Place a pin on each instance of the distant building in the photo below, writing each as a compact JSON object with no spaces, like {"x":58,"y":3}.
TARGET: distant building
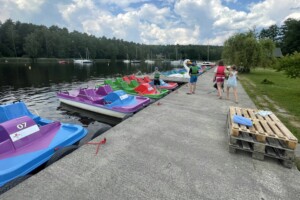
{"x":277,"y":53}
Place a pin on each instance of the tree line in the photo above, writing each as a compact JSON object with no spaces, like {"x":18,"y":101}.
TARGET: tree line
{"x":256,"y":49}
{"x":37,"y":41}
{"x":286,"y":37}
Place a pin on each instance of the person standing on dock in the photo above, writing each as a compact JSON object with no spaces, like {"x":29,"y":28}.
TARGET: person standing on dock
{"x":156,"y":81}
{"x":193,"y":78}
{"x":219,"y":77}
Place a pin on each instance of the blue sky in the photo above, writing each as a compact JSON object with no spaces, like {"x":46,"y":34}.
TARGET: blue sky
{"x":154,"y":21}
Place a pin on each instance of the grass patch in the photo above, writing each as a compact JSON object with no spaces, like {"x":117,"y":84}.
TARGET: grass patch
{"x":271,"y":90}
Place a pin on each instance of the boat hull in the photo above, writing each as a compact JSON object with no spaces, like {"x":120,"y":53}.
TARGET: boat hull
{"x":83,"y":61}
{"x":94,"y":108}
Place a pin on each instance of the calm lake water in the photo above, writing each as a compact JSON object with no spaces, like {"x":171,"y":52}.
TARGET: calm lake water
{"x":37,"y":84}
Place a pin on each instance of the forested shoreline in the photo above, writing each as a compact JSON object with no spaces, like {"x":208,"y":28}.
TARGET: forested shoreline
{"x":25,"y":40}
{"x":36,"y":41}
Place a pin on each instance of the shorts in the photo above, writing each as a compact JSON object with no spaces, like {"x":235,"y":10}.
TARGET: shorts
{"x":220,"y":79}
{"x":231,"y":86}
{"x":193,"y":79}
{"x":231,"y":83}
{"x":156,"y":82}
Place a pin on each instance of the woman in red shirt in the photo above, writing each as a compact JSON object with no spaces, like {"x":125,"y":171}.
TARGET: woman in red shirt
{"x":220,"y":77}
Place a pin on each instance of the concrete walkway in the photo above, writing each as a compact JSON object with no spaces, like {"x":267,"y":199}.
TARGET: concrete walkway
{"x":176,"y":150}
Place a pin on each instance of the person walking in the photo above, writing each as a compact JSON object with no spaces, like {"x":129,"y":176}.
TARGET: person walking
{"x":219,"y":77}
{"x":232,"y":82}
{"x":193,"y":78}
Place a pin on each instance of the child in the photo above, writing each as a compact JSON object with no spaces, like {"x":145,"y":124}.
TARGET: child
{"x":227,"y":72}
{"x":156,"y":81}
{"x":232,"y":82}
{"x":193,"y":78}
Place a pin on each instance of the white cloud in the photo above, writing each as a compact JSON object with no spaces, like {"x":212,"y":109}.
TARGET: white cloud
{"x":148,"y":24}
{"x":260,"y":15}
{"x":152,"y":34}
{"x":29,"y":5}
{"x":269,"y":12}
{"x":19,"y":9}
{"x":5,"y":11}
{"x":76,"y":10}
{"x":190,"y":22}
{"x":295,"y":15}
{"x":230,"y":1}
{"x":151,"y":13}
{"x":158,"y":21}
{"x":123,"y":3}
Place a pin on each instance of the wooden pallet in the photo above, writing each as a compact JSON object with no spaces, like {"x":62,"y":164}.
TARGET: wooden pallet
{"x":270,"y":152}
{"x":275,"y":150}
{"x":264,"y":129}
{"x":259,"y":150}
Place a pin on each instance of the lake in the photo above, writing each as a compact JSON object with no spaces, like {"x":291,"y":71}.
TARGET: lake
{"x":36,"y":85}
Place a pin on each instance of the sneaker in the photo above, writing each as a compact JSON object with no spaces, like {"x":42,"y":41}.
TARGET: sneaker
{"x":188,"y":93}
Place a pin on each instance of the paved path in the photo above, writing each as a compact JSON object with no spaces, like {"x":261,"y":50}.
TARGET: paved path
{"x":176,"y":150}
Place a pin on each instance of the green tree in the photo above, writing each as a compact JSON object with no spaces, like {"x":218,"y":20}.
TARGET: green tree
{"x":56,"y":42}
{"x":244,"y":50}
{"x":267,"y":48}
{"x":290,"y":64}
{"x":8,"y":36}
{"x":32,"y":46}
{"x":272,"y":33}
{"x":291,"y":36}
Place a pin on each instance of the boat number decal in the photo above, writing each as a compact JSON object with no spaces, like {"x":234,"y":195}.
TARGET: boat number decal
{"x":150,"y":88}
{"x":22,"y":125}
{"x":124,"y":96}
{"x":24,"y":131}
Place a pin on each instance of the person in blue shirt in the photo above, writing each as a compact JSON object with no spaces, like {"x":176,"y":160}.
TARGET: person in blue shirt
{"x":193,"y":77}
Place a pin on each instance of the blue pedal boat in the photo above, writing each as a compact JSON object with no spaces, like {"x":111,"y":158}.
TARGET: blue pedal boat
{"x":28,"y":141}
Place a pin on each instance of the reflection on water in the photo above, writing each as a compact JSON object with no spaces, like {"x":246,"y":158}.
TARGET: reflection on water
{"x":37,"y":84}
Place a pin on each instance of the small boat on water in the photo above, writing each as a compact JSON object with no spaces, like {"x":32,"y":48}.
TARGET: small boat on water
{"x":176,"y":62}
{"x":84,"y":61}
{"x":28,"y":141}
{"x":135,"y":88}
{"x":135,"y":61}
{"x":62,"y":62}
{"x":207,"y":63}
{"x":146,"y":79}
{"x":144,"y":89}
{"x":104,"y":101}
{"x":133,"y":77}
{"x":164,"y":85}
{"x":149,"y":61}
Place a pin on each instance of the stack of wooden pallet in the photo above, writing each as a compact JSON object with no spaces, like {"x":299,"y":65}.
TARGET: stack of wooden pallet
{"x":267,"y":137}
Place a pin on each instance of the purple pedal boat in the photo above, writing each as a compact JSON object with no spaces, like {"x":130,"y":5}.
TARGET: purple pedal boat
{"x":104,"y":100}
{"x":28,"y":141}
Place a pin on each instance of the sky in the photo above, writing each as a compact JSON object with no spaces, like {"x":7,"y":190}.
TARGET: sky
{"x":199,"y":22}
